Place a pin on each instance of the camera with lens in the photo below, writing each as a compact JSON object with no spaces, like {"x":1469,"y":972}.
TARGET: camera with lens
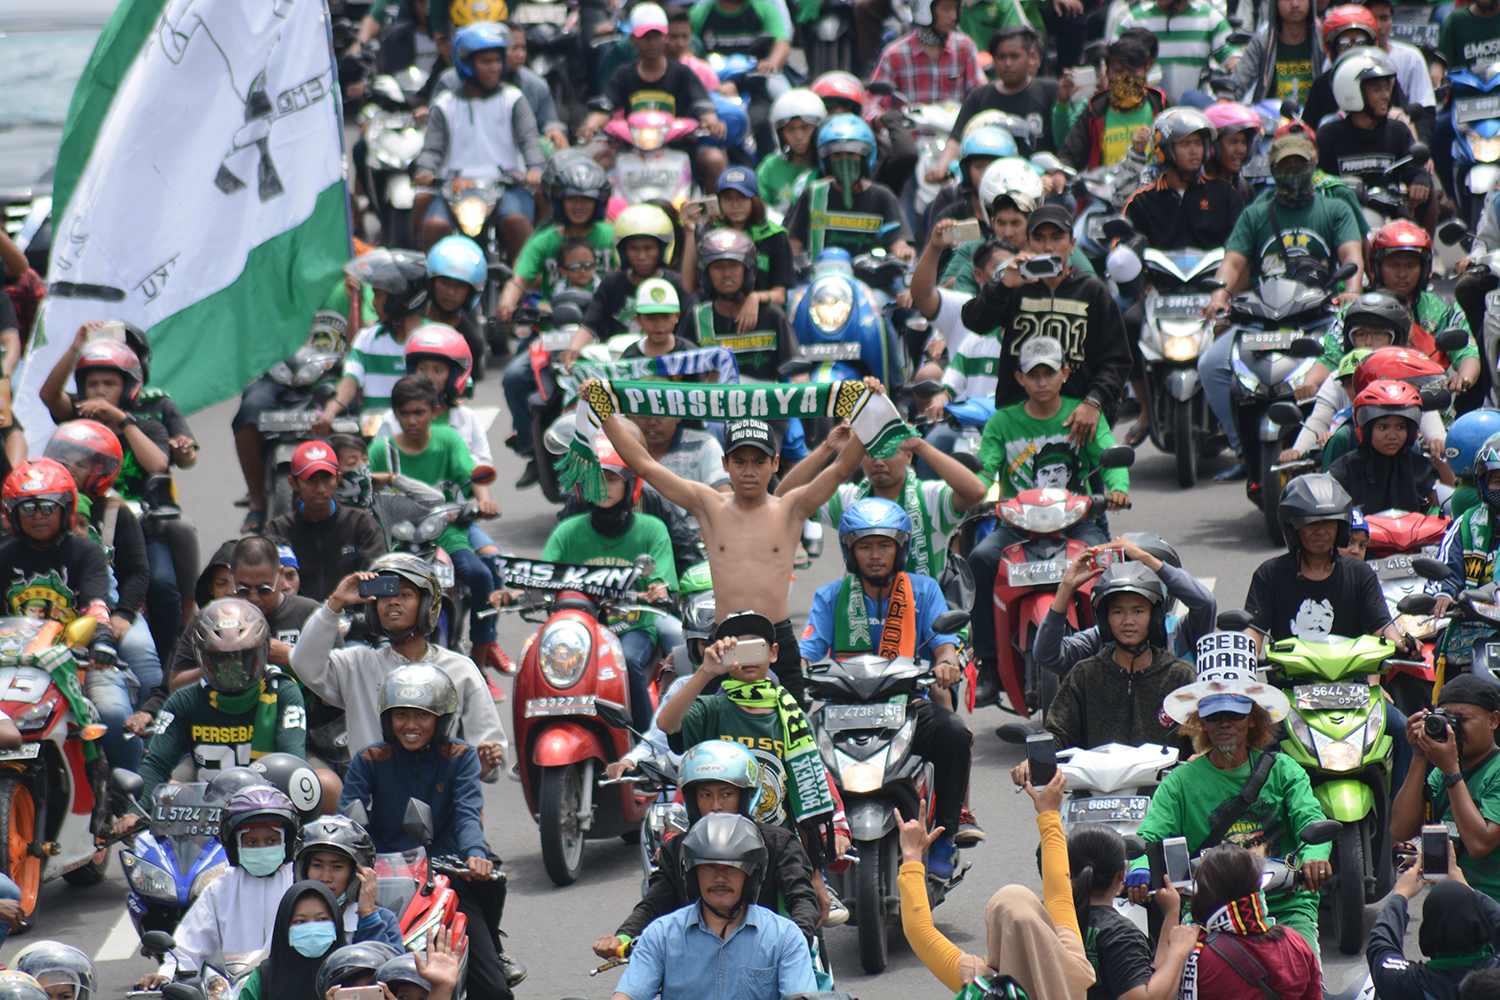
{"x":1438,"y":722}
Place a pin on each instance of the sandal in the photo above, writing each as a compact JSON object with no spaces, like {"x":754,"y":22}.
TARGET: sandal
{"x":255,"y":522}
{"x":1138,"y":433}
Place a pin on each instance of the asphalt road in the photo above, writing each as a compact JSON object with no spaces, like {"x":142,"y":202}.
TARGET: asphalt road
{"x":1219,"y":534}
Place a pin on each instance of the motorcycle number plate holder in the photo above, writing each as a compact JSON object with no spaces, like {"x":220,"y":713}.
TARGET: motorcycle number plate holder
{"x":1094,"y":228}
{"x":1393,"y":567}
{"x":886,"y":715}
{"x":26,"y":751}
{"x":1268,"y":340}
{"x":444,"y":573}
{"x":831,"y":352}
{"x":572,"y":704}
{"x":1331,"y":696}
{"x":556,"y":340}
{"x":1032,"y":573}
{"x":185,"y":821}
{"x":287,"y":420}
{"x":540,"y":13}
{"x":1131,"y":808}
{"x":1475,"y":109}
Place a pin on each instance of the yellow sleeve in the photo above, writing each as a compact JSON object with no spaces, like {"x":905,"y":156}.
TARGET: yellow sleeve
{"x":1057,"y":890}
{"x":941,"y":956}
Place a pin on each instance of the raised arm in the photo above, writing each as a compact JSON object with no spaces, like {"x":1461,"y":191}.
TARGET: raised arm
{"x":805,"y":471}
{"x":807,"y":500}
{"x":691,"y":497}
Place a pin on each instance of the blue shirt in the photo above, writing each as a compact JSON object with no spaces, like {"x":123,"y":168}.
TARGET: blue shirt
{"x":765,"y":958}
{"x":926,"y":595}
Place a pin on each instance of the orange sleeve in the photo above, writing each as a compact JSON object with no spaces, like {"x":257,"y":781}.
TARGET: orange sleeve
{"x":941,"y":956}
{"x":1057,"y":889}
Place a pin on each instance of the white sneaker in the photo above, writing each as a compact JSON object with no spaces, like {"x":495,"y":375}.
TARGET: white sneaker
{"x":838,"y":913}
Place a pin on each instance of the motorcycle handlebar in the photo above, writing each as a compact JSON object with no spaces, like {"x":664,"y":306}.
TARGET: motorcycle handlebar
{"x":455,"y":868}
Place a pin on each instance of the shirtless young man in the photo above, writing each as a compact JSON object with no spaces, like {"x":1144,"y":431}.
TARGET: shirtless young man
{"x":750,"y":534}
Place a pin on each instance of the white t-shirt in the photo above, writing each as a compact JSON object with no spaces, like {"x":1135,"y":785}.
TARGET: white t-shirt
{"x":974,"y":365}
{"x":1411,"y":73}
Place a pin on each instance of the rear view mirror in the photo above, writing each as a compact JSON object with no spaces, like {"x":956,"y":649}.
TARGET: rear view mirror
{"x":950,"y":621}
{"x":1451,"y":339}
{"x":418,"y":822}
{"x":356,"y":811}
{"x":881,"y":88}
{"x":1429,"y":568}
{"x":1452,"y":231}
{"x":483,"y":475}
{"x":1285,"y":413}
{"x":1342,"y":273}
{"x":613,"y":715}
{"x":1306,"y":347}
{"x":1234,"y":620}
{"x":1416,"y":604}
{"x":1435,"y":397}
{"x":1418,"y":152}
{"x":127,"y":783}
{"x":1121,"y":456}
{"x":793,"y":367}
{"x":157,"y":943}
{"x":1321,"y":831}
{"x":1015,"y":732}
{"x":1118,"y":229}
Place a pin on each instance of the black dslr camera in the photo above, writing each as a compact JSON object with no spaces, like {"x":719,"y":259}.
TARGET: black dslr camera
{"x":1439,"y":722}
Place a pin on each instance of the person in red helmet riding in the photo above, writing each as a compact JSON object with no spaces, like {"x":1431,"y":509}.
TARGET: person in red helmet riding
{"x":1383,"y":471}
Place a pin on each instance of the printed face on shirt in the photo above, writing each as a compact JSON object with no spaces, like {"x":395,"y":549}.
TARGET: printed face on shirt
{"x":1314,"y":619}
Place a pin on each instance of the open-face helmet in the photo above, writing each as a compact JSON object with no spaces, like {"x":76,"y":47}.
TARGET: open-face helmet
{"x":1403,"y":364}
{"x":1130,"y":578}
{"x":110,"y":356}
{"x":1466,"y":436}
{"x":227,"y":782}
{"x":39,"y":479}
{"x":52,"y":963}
{"x":459,"y":258}
{"x":419,"y":573}
{"x":1013,"y":178}
{"x":718,"y":760}
{"x":1348,"y":17}
{"x":295,"y":778}
{"x":336,"y":835}
{"x":799,"y":102}
{"x":846,"y":134}
{"x":1229,"y":117}
{"x":1356,"y":68}
{"x":472,"y":39}
{"x":696,"y":607}
{"x":841,"y":93}
{"x":1387,"y":399}
{"x":1154,"y":545}
{"x":90,"y":452}
{"x":1174,"y":125}
{"x":401,"y":274}
{"x":353,"y":964}
{"x":645,"y":220}
{"x":989,"y":144}
{"x":874,"y":516}
{"x":724,"y":839}
{"x":422,"y":686}
{"x":1487,"y":460}
{"x":1400,"y":236}
{"x":581,"y":177}
{"x":443,"y":343}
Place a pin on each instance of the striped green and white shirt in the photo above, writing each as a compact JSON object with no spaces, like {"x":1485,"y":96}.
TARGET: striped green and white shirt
{"x":974,"y":363}
{"x":1185,"y":40}
{"x":377,"y":361}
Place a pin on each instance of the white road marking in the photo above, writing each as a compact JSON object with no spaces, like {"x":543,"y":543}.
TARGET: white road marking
{"x":122,"y":943}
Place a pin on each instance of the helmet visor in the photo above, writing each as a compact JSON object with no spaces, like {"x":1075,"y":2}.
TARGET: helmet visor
{"x":85,"y":464}
{"x":232,"y":672}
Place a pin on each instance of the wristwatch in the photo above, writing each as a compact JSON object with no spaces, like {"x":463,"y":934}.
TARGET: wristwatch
{"x":1449,"y":780}
{"x":128,"y":421}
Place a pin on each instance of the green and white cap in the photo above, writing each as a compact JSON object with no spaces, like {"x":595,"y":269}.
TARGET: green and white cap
{"x":656,"y":296}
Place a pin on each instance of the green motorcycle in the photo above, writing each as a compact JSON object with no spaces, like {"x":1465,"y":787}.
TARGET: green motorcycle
{"x":1337,"y":732}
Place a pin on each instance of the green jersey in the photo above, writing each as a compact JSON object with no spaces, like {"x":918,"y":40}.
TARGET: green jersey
{"x":780,"y":181}
{"x":446,"y":459}
{"x":539,"y":255}
{"x":1026,"y":453}
{"x":1466,"y":39}
{"x":715,"y":717}
{"x":1482,"y":874}
{"x":1317,"y":231}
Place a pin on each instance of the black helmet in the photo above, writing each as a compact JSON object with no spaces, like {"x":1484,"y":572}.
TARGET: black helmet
{"x":337,"y":835}
{"x":583,"y":177}
{"x":1130,"y":578}
{"x":1316,"y":496}
{"x":725,"y":839}
{"x":296,"y":779}
{"x":418,"y":573}
{"x":353,"y":960}
{"x":262,"y":803}
{"x":1382,"y":311}
{"x":1155,"y":545}
{"x":401,"y":274}
{"x":52,"y":963}
{"x":417,"y":685}
{"x":401,"y":969}
{"x":231,"y":780}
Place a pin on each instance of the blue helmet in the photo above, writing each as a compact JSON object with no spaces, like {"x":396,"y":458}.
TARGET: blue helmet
{"x":846,"y":133}
{"x":874,"y":516}
{"x":1357,"y":521}
{"x":459,"y":258}
{"x":719,"y":760}
{"x":989,"y":141}
{"x":473,"y":38}
{"x":1465,"y":437}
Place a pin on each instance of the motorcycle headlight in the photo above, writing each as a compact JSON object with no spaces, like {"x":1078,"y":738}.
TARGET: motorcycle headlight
{"x":216,"y":987}
{"x":471,"y":213}
{"x":1299,"y":728}
{"x":1339,"y":755}
{"x":862,"y":777}
{"x":1375,"y":724}
{"x":148,"y":879}
{"x":646,"y":139}
{"x":281,"y":373}
{"x":831,"y":304}
{"x":1180,"y":348}
{"x":206,"y":876}
{"x":432,"y":526}
{"x":564,"y":653}
{"x":900,"y":744}
{"x":35,"y":719}
{"x":1484,"y":150}
{"x":404,"y":530}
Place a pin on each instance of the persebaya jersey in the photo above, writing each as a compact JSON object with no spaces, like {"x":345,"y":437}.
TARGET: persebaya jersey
{"x":192,"y":722}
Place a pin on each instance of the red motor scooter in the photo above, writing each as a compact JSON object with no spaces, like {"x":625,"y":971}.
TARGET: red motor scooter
{"x":1029,"y":574}
{"x":1396,"y":538}
{"x":571,"y":706}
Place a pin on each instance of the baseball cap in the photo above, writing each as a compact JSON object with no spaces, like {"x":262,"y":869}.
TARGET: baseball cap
{"x":739,"y":179}
{"x":1293,"y":145}
{"x":1467,"y":689}
{"x":1057,"y":215}
{"x":749,"y":432}
{"x":743,"y":623}
{"x":1237,"y":703}
{"x":656,"y":296}
{"x":1041,"y":351}
{"x":314,"y":456}
{"x":288,"y":556}
{"x":647,"y":17}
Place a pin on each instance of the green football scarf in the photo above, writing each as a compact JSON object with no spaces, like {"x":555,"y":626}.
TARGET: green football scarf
{"x":852,"y":632}
{"x":262,"y":699}
{"x":875,"y":419}
{"x":677,"y":364}
{"x":808,"y":797}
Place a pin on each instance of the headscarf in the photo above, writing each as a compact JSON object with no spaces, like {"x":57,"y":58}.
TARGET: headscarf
{"x":1453,"y":922}
{"x":285,"y":972}
{"x":1385,"y":482}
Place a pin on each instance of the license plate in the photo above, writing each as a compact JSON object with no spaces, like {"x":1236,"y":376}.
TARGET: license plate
{"x":1094,"y":228}
{"x":187,"y":814}
{"x":540,"y":13}
{"x":573,"y":704}
{"x":1330,"y":697}
{"x":444,"y":574}
{"x":1029,"y":574}
{"x":286,"y":420}
{"x":1268,"y":340}
{"x":1415,"y":34}
{"x":1129,"y":808}
{"x":1179,"y":305}
{"x":1256,"y":166}
{"x":1393,"y":567}
{"x":884,"y":716}
{"x":556,"y":340}
{"x":25,"y":751}
{"x":1473,"y":109}
{"x":831,"y":352}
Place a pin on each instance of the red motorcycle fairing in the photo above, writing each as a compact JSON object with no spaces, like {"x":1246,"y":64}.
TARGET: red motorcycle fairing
{"x":1393,"y":532}
{"x":566,"y":742}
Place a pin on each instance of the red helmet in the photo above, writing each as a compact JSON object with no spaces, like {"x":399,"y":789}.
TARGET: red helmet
{"x":108,"y":355}
{"x":1401,"y":236}
{"x":1386,"y":398}
{"x":1290,"y":126}
{"x":1398,"y":364}
{"x":38,"y":479}
{"x":1341,"y":19}
{"x":90,"y":449}
{"x":840,"y":86}
{"x":434,"y":340}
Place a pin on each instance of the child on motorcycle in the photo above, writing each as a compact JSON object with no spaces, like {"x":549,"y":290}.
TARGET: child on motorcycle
{"x":658,"y":311}
{"x":61,"y":969}
{"x":579,"y":191}
{"x":457,"y":273}
{"x":866,"y":214}
{"x":644,"y":238}
{"x":339,"y":853}
{"x":438,"y":457}
{"x":418,"y":759}
{"x":795,"y":117}
{"x":741,"y":208}
{"x":307,"y":930}
{"x":733,"y":314}
{"x":1384,"y":471}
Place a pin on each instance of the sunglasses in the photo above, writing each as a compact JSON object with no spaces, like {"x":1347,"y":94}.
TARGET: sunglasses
{"x":576,"y":266}
{"x":1218,"y":717}
{"x":264,"y":590}
{"x":30,"y":508}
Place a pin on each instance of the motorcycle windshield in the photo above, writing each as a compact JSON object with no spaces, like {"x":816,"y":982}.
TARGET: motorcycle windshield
{"x":404,"y":864}
{"x":187,"y":817}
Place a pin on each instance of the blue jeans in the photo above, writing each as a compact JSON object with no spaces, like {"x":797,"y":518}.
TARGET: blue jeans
{"x":475,"y":575}
{"x":108,"y":690}
{"x":638,"y":645}
{"x":1395,"y":728}
{"x":138,"y":654}
{"x":1217,"y":376}
{"x":515,"y":201}
{"x":518,"y":383}
{"x":8,"y":890}
{"x":943,"y":437}
{"x":163,"y":599}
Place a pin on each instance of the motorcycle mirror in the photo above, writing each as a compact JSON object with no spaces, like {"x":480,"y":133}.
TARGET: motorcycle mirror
{"x":599,"y":104}
{"x":483,"y":475}
{"x":356,"y":811}
{"x":613,"y":715}
{"x":926,"y":387}
{"x":1435,"y":398}
{"x":1233,"y":620}
{"x":880,"y":88}
{"x":917,"y":323}
{"x":763,"y":45}
{"x":1121,"y":456}
{"x":1289,"y":109}
{"x":576,"y":301}
{"x":1429,"y":568}
{"x":1285,"y":413}
{"x":565,"y":314}
{"x":1452,"y":231}
{"x":1355,"y":184}
{"x":418,"y":822}
{"x":644,"y":564}
{"x":1451,"y":339}
{"x":793,"y":367}
{"x":157,"y":943}
{"x":127,"y":783}
{"x":1342,"y":273}
{"x":1118,"y":229}
{"x":1416,"y":604}
{"x":1239,"y":37}
{"x":1211,"y":284}
{"x":1015,"y":732}
{"x":1418,"y":152}
{"x":499,"y":271}
{"x":1321,"y":831}
{"x":950,"y":621}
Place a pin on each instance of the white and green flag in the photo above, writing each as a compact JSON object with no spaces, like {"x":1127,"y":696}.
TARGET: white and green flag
{"x":199,"y":193}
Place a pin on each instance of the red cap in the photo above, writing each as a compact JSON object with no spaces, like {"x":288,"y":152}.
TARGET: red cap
{"x":314,"y":456}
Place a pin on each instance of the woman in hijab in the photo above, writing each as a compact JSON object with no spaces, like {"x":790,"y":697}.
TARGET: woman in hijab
{"x":1458,"y":935}
{"x":1384,"y":471}
{"x":304,"y":934}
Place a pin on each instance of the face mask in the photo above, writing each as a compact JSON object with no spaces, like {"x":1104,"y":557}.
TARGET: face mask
{"x":612,"y":522}
{"x":1126,"y":92}
{"x":846,"y":172}
{"x":262,"y":861}
{"x":355,"y":487}
{"x":1491,"y":499}
{"x":1294,"y":186}
{"x":311,"y":940}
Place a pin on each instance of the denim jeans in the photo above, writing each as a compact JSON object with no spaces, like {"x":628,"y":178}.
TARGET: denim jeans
{"x":8,"y":890}
{"x":1395,"y":728}
{"x":638,"y":644}
{"x":163,"y":599}
{"x":110,"y":693}
{"x":475,"y":575}
{"x":942,"y":437}
{"x":518,"y":383}
{"x":1217,"y":376}
{"x":138,"y":654}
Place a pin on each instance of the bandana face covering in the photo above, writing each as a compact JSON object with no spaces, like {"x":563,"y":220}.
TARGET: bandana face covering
{"x":355,"y":487}
{"x":926,"y":35}
{"x":846,"y":172}
{"x":1294,"y":185}
{"x":612,"y":522}
{"x":1126,"y":92}
{"x":1491,"y":499}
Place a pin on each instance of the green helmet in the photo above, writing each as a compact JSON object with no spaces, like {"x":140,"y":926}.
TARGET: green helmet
{"x":696,"y":603}
{"x":719,"y":760}
{"x":1351,"y":360}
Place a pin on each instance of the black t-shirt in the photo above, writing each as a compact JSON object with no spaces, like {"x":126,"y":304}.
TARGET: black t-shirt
{"x":874,"y":201}
{"x":612,"y":309}
{"x":287,"y":620}
{"x":679,"y":92}
{"x":1201,"y":217}
{"x":1033,"y":103}
{"x":774,"y":267}
{"x":1286,"y":604}
{"x":1118,"y":951}
{"x":758,"y":351}
{"x":1345,"y":148}
{"x":69,"y":575}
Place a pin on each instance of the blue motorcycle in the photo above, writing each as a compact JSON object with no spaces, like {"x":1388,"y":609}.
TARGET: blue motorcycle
{"x":840,"y":323}
{"x":1476,"y":146}
{"x":174,"y":859}
{"x":738,"y":142}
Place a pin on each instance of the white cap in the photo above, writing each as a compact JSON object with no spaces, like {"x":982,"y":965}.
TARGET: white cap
{"x":647,"y":17}
{"x":1041,"y":351}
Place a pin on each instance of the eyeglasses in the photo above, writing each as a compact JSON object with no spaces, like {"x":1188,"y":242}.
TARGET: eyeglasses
{"x":30,"y":508}
{"x":577,"y":266}
{"x":264,"y":590}
{"x":1219,"y":717}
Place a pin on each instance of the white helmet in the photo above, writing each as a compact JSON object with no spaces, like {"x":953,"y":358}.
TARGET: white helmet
{"x":797,"y":103}
{"x":921,"y":12}
{"x":1358,"y":66}
{"x":1013,"y":177}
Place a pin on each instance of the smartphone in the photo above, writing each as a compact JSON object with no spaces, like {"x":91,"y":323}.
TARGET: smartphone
{"x":1041,"y":752}
{"x":1048,"y":265}
{"x":965,"y":231}
{"x":1434,"y":851}
{"x":710,"y":206}
{"x":748,"y":651}
{"x":385,"y":585}
{"x":1174,"y":855}
{"x":358,"y":993}
{"x":1106,"y":557}
{"x":1086,"y":79}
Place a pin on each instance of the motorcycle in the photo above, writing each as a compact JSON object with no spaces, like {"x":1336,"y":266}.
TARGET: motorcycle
{"x":552,"y":334}
{"x":554,"y":46}
{"x":392,"y":141}
{"x":174,"y":860}
{"x":930,"y":126}
{"x":306,"y":381}
{"x":1471,"y":640}
{"x":1386,"y":201}
{"x":1277,"y":330}
{"x":1028,"y":578}
{"x":222,"y":976}
{"x":657,"y":777}
{"x":864,"y":732}
{"x":1488,"y":337}
{"x":571,"y":705}
{"x":645,"y":166}
{"x":1396,"y":538}
{"x":839,"y":322}
{"x":472,"y":204}
{"x":1476,"y":150}
{"x":1413,"y":24}
{"x":828,"y":40}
